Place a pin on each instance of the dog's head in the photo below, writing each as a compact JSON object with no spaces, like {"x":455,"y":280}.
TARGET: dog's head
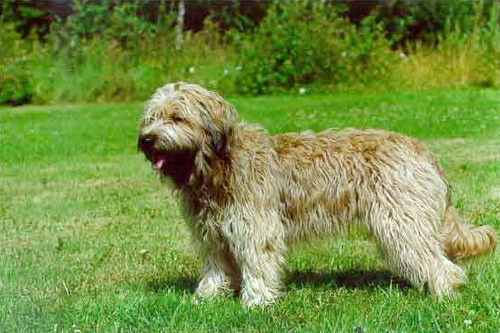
{"x":183,"y":127}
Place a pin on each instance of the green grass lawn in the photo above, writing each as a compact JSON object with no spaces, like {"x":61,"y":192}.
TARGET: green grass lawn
{"x":92,"y":241}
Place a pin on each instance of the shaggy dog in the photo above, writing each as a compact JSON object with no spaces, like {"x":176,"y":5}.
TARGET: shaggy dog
{"x":247,"y":195}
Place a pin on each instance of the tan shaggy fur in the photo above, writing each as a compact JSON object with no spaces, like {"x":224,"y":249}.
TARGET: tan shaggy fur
{"x":247,"y":195}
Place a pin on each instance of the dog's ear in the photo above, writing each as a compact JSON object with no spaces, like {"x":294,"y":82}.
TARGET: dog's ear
{"x":222,"y":141}
{"x":218,"y":139}
{"x":218,"y":136}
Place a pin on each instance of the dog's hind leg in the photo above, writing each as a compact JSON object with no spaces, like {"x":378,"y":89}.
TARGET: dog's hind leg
{"x":412,"y":250}
{"x":257,"y":244}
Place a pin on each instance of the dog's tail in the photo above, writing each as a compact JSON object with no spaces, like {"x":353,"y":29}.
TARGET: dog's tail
{"x":461,"y":240}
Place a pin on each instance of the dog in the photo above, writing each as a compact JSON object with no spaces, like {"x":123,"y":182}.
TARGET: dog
{"x":247,"y":196}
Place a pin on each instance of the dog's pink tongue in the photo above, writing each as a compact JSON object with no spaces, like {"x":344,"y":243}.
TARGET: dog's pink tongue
{"x":158,"y":163}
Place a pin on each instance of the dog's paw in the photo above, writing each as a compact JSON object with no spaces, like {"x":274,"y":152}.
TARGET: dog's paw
{"x":206,"y":293}
{"x":211,"y":290}
{"x":202,"y":296}
{"x":257,"y":300}
{"x":197,"y":300}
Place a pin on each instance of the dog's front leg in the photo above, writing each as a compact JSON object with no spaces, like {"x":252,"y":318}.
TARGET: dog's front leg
{"x":257,"y":244}
{"x":214,"y":280}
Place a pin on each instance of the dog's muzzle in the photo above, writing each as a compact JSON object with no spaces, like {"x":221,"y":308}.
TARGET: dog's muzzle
{"x":146,"y":143}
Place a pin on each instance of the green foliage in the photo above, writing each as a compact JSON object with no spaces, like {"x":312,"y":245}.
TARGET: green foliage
{"x":118,"y":22}
{"x":111,"y":50}
{"x":304,"y":42}
{"x":465,"y":53}
{"x":16,"y":84}
{"x":103,"y":53}
{"x":478,"y":34}
{"x":29,"y":17}
{"x":410,"y":21}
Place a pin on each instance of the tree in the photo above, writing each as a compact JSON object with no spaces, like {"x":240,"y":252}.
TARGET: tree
{"x":180,"y":25}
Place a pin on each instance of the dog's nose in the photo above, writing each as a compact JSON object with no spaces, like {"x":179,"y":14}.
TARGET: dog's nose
{"x":145,"y":141}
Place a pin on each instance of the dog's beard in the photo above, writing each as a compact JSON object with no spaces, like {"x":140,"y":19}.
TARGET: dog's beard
{"x":177,"y":165}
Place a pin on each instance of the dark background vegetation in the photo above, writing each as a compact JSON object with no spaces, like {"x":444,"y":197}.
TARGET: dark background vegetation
{"x":78,"y":51}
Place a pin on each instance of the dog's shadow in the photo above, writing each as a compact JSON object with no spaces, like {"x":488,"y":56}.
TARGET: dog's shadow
{"x":354,"y":279}
{"x":180,"y":284}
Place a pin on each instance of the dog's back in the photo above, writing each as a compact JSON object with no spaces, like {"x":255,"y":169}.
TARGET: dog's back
{"x":333,"y":177}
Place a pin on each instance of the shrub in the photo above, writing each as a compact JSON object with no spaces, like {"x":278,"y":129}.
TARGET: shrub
{"x":303,"y":42}
{"x":101,"y":55}
{"x":421,"y":21}
{"x":465,"y":53}
{"x":16,"y":86}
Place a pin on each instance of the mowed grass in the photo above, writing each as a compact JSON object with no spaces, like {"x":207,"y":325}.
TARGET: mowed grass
{"x":93,"y":242}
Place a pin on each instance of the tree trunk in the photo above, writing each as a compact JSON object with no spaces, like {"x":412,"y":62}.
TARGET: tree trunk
{"x":180,"y":25}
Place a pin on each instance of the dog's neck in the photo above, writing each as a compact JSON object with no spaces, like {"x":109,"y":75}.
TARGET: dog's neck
{"x":211,"y":172}
{"x":197,"y":186}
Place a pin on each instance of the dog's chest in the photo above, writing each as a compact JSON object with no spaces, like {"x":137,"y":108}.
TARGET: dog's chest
{"x":204,"y":215}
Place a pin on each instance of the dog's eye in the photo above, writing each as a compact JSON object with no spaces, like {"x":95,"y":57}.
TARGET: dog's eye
{"x":177,"y":119}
